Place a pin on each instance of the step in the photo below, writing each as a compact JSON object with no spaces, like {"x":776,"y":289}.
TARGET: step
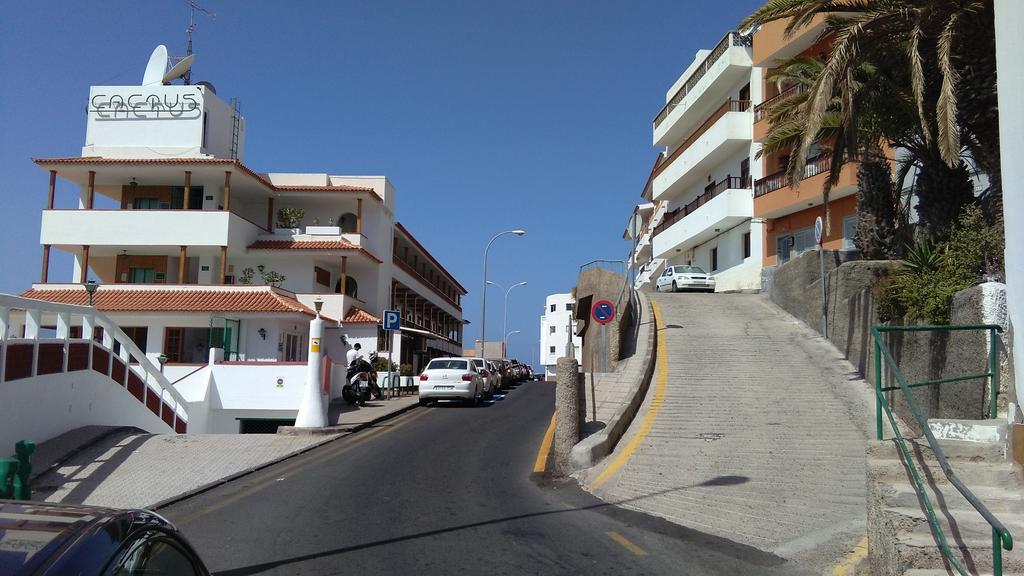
{"x":996,"y":499}
{"x":955,"y":450}
{"x":971,"y":474}
{"x":918,"y":549}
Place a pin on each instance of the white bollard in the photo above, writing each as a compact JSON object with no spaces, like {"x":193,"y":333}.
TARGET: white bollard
{"x":312,"y":413}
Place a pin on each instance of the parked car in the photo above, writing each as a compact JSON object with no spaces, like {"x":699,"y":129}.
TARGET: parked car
{"x":451,"y":379}
{"x":505,"y":371}
{"x":677,"y":278}
{"x":56,"y":539}
{"x":492,"y":380}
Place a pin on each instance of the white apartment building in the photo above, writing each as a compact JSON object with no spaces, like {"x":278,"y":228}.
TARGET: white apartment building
{"x":699,"y":195}
{"x":198,"y":261}
{"x":555,"y":324}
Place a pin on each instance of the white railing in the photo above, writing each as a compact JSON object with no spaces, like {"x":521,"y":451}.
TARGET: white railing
{"x":153,"y":381}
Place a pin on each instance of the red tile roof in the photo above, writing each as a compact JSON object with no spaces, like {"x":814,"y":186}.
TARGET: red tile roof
{"x":309,"y":245}
{"x":117,"y":299}
{"x":202,"y":160}
{"x":359,"y":316}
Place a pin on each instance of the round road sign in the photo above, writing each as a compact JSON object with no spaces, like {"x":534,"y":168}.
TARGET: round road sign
{"x":818,"y":227}
{"x":603,"y":312}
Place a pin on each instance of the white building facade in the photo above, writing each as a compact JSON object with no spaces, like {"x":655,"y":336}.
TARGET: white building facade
{"x":216,"y":268}
{"x":699,"y":195}
{"x":555,"y":324}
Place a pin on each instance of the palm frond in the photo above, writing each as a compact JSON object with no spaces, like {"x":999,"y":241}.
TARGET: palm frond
{"x":949,"y":129}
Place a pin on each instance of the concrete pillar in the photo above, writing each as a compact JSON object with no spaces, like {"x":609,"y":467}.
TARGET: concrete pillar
{"x":90,"y":191}
{"x":359,"y":215}
{"x":45,"y":274}
{"x":223,"y":263}
{"x":227,"y":191}
{"x":182,"y":256}
{"x":1009,"y":18}
{"x":33,"y":321}
{"x":312,"y":411}
{"x":64,"y":325}
{"x":344,"y":277}
{"x":53,"y":187}
{"x":85,"y":264}
{"x":270,"y":215}
{"x":567,"y":413}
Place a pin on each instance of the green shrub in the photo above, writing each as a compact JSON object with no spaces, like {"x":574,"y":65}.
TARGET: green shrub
{"x":381,"y":364}
{"x":924,"y":287}
{"x":290,"y":217}
{"x":405,"y":370}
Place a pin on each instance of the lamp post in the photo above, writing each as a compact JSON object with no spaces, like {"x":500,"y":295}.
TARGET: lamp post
{"x":505,"y":341}
{"x":504,"y":322}
{"x":483,"y":306}
{"x":90,"y":288}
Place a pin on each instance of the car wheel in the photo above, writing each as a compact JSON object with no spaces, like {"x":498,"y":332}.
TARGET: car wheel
{"x":424,"y":401}
{"x":675,"y":287}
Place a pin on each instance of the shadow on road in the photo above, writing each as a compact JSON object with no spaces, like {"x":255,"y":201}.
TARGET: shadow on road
{"x":723,"y":545}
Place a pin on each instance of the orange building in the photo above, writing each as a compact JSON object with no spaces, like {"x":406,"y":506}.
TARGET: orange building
{"x":789,"y":211}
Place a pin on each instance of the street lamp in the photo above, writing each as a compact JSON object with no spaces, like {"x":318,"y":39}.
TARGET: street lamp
{"x":505,"y":341}
{"x":90,"y":288}
{"x":504,"y":322}
{"x":483,"y":306}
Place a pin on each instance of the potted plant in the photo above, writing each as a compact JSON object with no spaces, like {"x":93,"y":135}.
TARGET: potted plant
{"x":289,"y":219}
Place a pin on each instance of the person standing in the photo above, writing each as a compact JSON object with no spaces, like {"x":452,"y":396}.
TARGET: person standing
{"x":353,"y":354}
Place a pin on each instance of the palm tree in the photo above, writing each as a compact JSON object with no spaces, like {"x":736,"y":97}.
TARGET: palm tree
{"x":928,"y":45}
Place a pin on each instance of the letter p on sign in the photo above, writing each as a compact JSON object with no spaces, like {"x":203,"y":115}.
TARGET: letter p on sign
{"x":392,"y":320}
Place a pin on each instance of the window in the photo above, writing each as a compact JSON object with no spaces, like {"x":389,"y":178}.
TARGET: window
{"x":447,"y":365}
{"x":551,"y":329}
{"x":141,"y":275}
{"x":849,"y":232}
{"x":714,"y":259}
{"x":553,"y":306}
{"x":570,"y":306}
{"x":149,"y":555}
{"x":551,"y":349}
{"x":323,"y":277}
{"x":746,"y":245}
{"x":146,"y":203}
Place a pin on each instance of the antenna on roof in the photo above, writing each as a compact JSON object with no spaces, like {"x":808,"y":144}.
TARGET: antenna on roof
{"x":193,"y":7}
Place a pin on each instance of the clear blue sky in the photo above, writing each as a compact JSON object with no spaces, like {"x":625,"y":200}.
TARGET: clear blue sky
{"x":531,"y":114}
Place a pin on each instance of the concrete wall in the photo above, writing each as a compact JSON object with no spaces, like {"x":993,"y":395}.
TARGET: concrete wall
{"x":50,"y":405}
{"x":921,"y":356}
{"x":593,"y":285}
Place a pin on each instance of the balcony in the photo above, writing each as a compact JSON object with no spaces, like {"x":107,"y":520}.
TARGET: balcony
{"x":771,"y":45}
{"x":127,"y":228}
{"x":313,"y":233}
{"x":726,"y":132}
{"x":710,"y":82}
{"x":721,"y":207}
{"x":773,"y":196}
{"x":763,"y":110}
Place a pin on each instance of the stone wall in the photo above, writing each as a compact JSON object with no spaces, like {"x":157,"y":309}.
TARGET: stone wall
{"x":593,"y":285}
{"x":796,"y":287}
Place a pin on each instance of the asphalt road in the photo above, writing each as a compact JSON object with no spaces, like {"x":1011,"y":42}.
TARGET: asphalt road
{"x":442,"y":490}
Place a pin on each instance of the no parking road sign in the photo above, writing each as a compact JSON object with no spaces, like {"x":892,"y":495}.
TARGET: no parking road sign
{"x":603,"y":312}
{"x":392,"y":320}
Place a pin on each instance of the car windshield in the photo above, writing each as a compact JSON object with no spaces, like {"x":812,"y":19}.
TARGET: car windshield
{"x":690,"y":270}
{"x":447,"y":364}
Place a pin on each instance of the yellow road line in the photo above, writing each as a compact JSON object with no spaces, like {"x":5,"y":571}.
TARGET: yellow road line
{"x":545,"y":447}
{"x":845,"y":567}
{"x":661,"y":383}
{"x":620,"y":539}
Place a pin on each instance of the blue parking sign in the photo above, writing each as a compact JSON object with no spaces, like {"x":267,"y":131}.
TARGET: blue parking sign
{"x":392,"y":320}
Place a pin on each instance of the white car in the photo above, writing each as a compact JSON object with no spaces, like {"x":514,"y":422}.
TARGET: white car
{"x":676,"y":278}
{"x":451,"y":379}
{"x":492,"y":380}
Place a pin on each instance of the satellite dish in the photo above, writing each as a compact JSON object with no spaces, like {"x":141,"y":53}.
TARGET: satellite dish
{"x":210,"y":87}
{"x":156,"y":67}
{"x":180,"y":69}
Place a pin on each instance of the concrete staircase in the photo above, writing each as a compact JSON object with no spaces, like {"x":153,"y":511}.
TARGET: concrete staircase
{"x":901,"y":541}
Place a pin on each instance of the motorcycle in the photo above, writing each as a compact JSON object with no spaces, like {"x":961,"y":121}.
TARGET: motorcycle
{"x":361,"y":381}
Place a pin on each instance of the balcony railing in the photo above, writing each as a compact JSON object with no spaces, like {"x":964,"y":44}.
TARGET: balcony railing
{"x":729,"y":106}
{"x":727,"y":183}
{"x":762,"y":110}
{"x":780,"y":179}
{"x":730,"y":39}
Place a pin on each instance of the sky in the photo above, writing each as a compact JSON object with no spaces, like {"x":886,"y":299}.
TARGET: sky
{"x":486,"y":116}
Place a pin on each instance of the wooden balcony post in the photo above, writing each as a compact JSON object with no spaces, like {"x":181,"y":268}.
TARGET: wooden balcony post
{"x":182,"y":255}
{"x":344,"y":276}
{"x":359,"y":215}
{"x":270,"y":215}
{"x":227,"y":191}
{"x":223,"y":263}
{"x":188,"y":187}
{"x":53,"y":186}
{"x":85,"y":264}
{"x":46,"y":264}
{"x":91,"y":190}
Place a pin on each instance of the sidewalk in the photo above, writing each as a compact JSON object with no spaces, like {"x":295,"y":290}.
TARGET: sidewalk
{"x":125,"y":468}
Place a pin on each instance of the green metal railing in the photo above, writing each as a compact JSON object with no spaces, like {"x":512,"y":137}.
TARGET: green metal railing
{"x":1001,"y":538}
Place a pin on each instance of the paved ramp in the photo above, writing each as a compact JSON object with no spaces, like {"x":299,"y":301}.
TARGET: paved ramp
{"x":760,"y":435}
